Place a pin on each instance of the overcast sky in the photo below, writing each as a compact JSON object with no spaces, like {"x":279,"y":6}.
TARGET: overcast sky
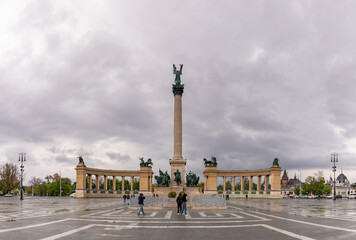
{"x":263,"y":79}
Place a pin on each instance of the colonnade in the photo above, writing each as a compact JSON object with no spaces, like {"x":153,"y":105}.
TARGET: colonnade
{"x":242,"y":183}
{"x":272,"y":180}
{"x":85,"y":177}
{"x":114,"y":186}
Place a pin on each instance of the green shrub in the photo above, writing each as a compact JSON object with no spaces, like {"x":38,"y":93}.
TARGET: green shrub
{"x":172,"y":194}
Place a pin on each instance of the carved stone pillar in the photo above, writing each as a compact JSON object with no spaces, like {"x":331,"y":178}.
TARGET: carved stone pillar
{"x":224,"y":183}
{"x":123,"y":183}
{"x":97,"y":183}
{"x":105,"y":182}
{"x":90,"y":181}
{"x":233,"y":183}
{"x":114,"y":183}
{"x":242,"y":183}
{"x":250,"y":185}
{"x":259,"y":183}
{"x":132,"y":179}
{"x":266,"y":182}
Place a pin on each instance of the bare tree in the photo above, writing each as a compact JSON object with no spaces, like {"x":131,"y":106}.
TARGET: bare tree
{"x":9,"y":177}
{"x":35,"y":182}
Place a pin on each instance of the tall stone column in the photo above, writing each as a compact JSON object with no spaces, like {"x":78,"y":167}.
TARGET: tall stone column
{"x":177,"y":162}
{"x":132,"y":180}
{"x":233,"y":183}
{"x":105,"y":182}
{"x":266,"y":183}
{"x":123,"y":183}
{"x":224,"y":183}
{"x":80,"y":190}
{"x":97,"y":183}
{"x":250,"y":185}
{"x":90,"y":182}
{"x":114,"y":183}
{"x":242,"y":183}
{"x":259,"y":183}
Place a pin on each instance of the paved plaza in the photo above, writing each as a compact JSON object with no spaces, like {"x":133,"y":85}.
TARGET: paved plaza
{"x":68,"y":218}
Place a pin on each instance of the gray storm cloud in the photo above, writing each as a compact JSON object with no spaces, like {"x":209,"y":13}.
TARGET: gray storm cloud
{"x":262,"y":80}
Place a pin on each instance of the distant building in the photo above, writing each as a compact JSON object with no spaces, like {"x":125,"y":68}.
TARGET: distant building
{"x":288,"y":185}
{"x":342,"y":185}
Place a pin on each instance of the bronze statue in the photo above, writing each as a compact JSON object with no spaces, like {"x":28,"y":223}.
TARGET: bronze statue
{"x":177,"y":177}
{"x":192,"y":179}
{"x":145,"y":164}
{"x":81,"y":160}
{"x":275,"y":162}
{"x":177,"y":73}
{"x":210,"y":163}
{"x":163,"y":179}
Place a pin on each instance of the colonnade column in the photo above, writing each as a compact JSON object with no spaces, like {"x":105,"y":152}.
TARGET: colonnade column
{"x":90,"y":181}
{"x":242,"y":183}
{"x":250,"y":185}
{"x":114,"y":183}
{"x":97,"y":184}
{"x":150,"y":183}
{"x":123,"y":183}
{"x":259,"y":183}
{"x":233,"y":183}
{"x":266,"y":182}
{"x":224,"y":183}
{"x":132,"y":179}
{"x":105,"y":182}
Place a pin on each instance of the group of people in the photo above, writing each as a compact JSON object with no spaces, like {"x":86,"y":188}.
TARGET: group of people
{"x":182,"y":204}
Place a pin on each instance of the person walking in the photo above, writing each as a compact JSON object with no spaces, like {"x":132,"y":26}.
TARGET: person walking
{"x":141,"y":198}
{"x":128,"y":199}
{"x":179,"y":203}
{"x":184,"y":201}
{"x":124,"y":197}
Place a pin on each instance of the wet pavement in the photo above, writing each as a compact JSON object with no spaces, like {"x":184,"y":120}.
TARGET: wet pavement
{"x":69,"y":218}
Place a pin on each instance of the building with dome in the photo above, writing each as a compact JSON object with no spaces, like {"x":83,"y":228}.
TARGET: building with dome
{"x":342,"y":185}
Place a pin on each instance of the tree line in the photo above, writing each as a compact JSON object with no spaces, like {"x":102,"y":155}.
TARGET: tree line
{"x":10,"y":181}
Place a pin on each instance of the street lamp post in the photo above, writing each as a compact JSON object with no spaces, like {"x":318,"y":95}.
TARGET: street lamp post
{"x":300,"y":183}
{"x":334,"y":159}
{"x":60,"y":184}
{"x":22,"y":158}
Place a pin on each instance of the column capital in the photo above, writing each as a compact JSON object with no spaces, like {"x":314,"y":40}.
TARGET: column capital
{"x":178,"y":89}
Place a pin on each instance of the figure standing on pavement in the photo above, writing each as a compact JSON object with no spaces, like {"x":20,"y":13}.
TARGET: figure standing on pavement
{"x":179,"y":203}
{"x":141,"y":198}
{"x":184,"y":201}
{"x":128,"y":199}
{"x":124,"y":197}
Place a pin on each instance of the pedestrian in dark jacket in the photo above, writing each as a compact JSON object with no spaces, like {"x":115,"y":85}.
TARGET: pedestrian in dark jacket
{"x":184,"y":201}
{"x":179,"y":203}
{"x":128,"y":199}
{"x":141,"y":198}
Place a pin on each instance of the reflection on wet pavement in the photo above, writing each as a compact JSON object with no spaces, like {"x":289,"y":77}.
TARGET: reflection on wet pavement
{"x":304,"y":207}
{"x":13,"y":208}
